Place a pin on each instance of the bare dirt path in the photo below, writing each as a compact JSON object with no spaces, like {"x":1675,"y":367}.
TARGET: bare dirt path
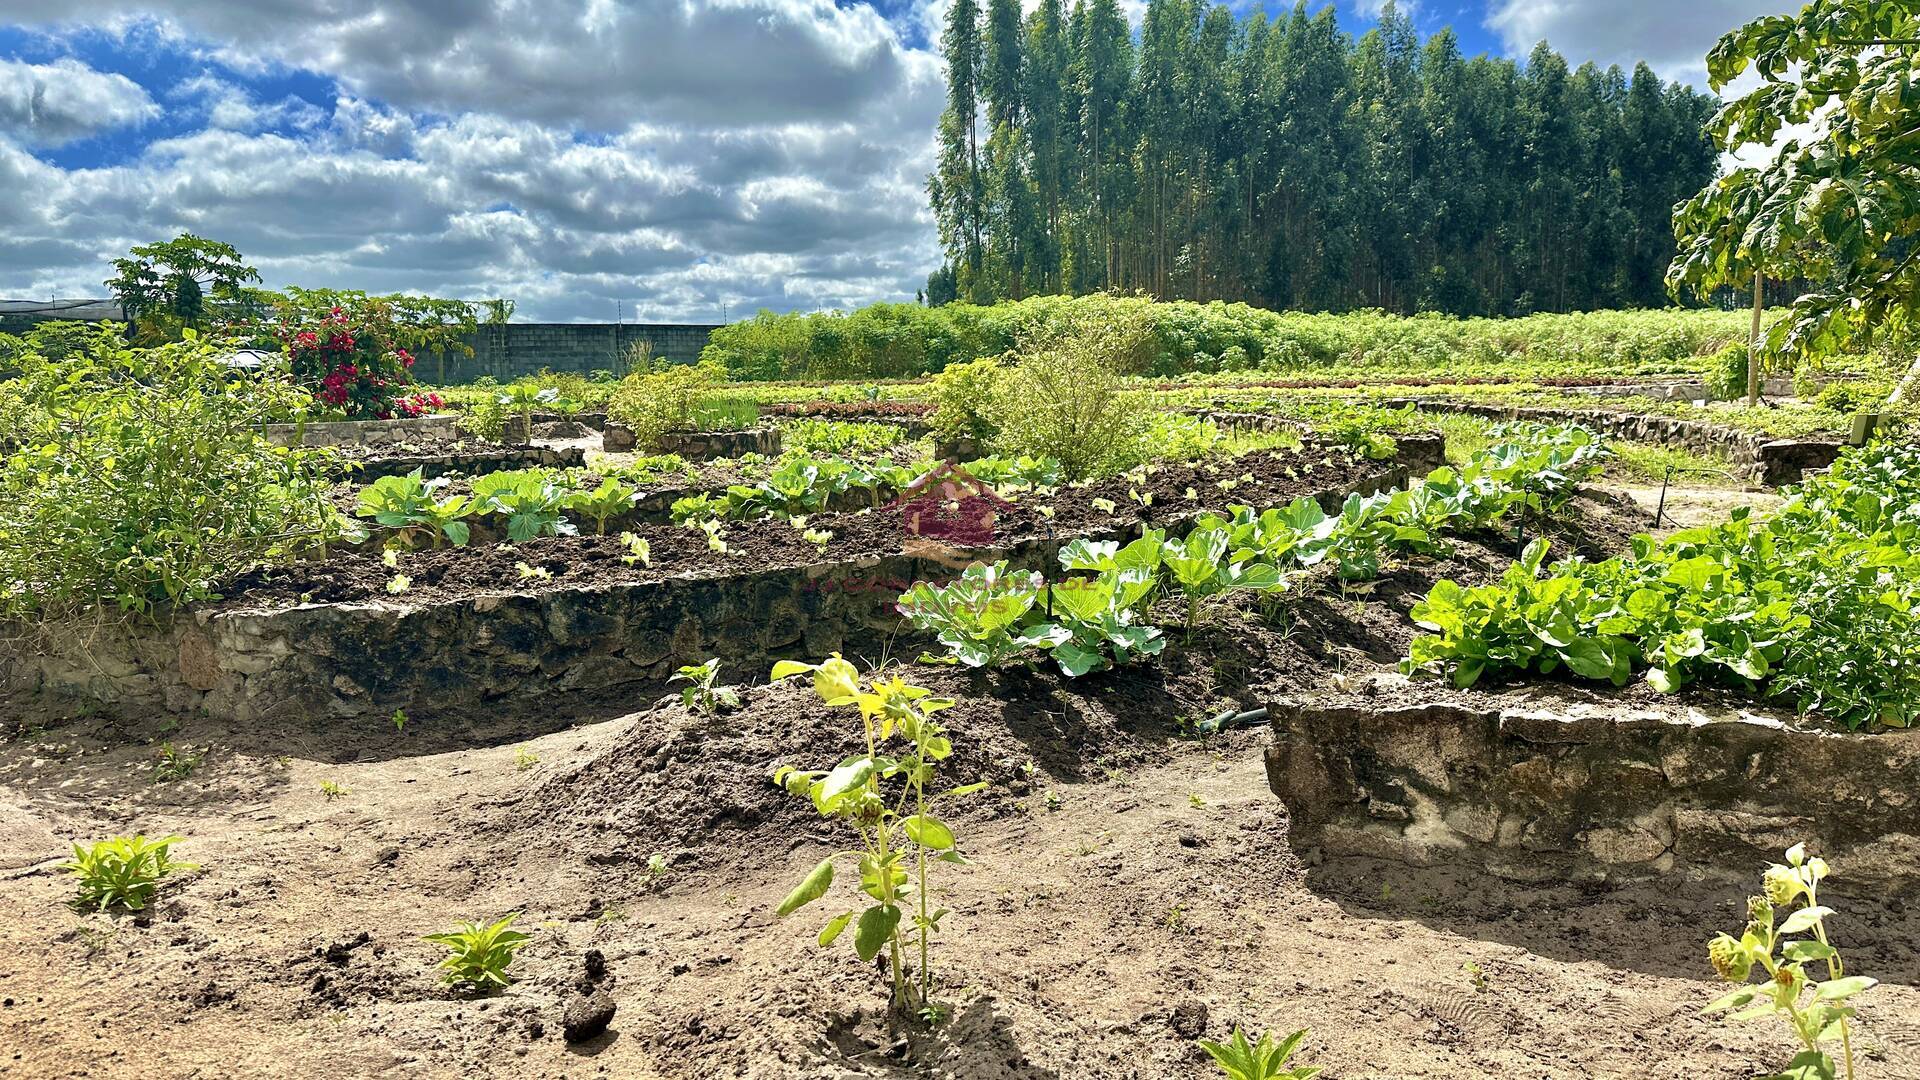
{"x":1103,"y":925}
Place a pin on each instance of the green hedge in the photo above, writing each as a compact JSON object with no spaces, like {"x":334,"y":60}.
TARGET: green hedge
{"x":906,"y":340}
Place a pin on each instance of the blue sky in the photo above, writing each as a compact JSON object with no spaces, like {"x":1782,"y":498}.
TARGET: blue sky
{"x":663,"y":157}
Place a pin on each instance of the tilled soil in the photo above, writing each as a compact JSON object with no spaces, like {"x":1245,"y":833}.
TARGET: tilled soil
{"x":1274,"y":478}
{"x":1130,"y":889}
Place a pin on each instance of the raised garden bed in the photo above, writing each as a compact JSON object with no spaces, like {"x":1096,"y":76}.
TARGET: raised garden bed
{"x":322,"y":641}
{"x":1769,"y":462}
{"x":617,"y":438}
{"x":1546,"y":782}
{"x":367,"y":433}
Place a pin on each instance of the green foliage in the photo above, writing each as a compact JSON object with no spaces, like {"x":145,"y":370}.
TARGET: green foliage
{"x":963,"y":396}
{"x":1828,"y":205}
{"x":1187,"y":339}
{"x":142,"y":478}
{"x":1816,"y":1011}
{"x":1727,"y":373}
{"x":1817,"y":603}
{"x":533,"y":501}
{"x":1205,"y":564}
{"x":653,"y":403}
{"x":164,"y":286}
{"x":1853,"y":397}
{"x":407,"y":505}
{"x":839,"y":436}
{"x":1264,"y":1060}
{"x":978,"y":616}
{"x":872,"y":793}
{"x":704,"y":692}
{"x":122,"y":871}
{"x":481,"y":953}
{"x":611,"y":499}
{"x":1547,"y":462}
{"x":1064,"y":396}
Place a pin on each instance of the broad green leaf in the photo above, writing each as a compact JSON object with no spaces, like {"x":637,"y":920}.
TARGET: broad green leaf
{"x":875,"y":929}
{"x":812,"y":888}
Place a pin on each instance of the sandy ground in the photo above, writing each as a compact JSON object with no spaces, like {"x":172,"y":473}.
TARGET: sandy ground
{"x":1110,"y":917}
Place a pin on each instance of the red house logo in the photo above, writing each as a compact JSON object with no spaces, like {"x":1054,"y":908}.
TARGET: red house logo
{"x":946,"y":512}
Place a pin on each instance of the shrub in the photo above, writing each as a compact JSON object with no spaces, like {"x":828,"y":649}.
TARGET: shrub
{"x":654,"y":403}
{"x":350,"y":357}
{"x":123,"y":871}
{"x":1066,"y":396}
{"x":1853,"y":397}
{"x":148,"y":479}
{"x":1727,"y":374}
{"x":963,"y":400}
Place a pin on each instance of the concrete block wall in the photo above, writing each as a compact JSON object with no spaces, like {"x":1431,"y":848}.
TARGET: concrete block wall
{"x":511,"y":350}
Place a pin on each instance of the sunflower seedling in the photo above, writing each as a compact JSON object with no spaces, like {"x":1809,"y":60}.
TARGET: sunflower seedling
{"x":1816,"y":1011}
{"x":882,"y":794}
{"x":705,"y":694}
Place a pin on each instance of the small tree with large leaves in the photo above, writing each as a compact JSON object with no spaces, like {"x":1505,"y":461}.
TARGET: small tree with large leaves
{"x":1836,"y":205}
{"x":164,"y":287}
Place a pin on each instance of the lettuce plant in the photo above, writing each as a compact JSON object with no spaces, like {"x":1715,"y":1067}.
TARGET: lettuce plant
{"x":407,"y":505}
{"x":873,"y":793}
{"x":532,"y":500}
{"x":611,"y":499}
{"x":1202,"y":566}
{"x":978,"y":616}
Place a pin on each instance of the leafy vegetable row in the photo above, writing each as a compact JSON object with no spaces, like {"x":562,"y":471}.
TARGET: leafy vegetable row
{"x":1096,"y":618}
{"x":1819,"y":603}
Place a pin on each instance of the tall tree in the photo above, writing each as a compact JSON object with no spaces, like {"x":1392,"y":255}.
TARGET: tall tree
{"x":958,"y":190}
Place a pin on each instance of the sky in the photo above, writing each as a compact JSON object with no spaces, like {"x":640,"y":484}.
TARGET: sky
{"x":653,"y":160}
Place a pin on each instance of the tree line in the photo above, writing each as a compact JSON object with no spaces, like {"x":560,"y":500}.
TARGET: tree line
{"x":1285,"y":163}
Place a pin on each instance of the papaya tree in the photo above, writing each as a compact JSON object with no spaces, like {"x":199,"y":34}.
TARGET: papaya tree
{"x":1832,"y":193}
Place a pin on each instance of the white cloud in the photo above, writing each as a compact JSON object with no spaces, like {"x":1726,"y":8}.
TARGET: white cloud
{"x":1672,"y":37}
{"x":670,"y":155}
{"x":65,"y":101}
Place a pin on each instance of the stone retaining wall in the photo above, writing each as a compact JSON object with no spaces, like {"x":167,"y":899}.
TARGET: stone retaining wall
{"x":1767,"y":461}
{"x":470,"y":463}
{"x":1555,"y":783}
{"x":323,"y":663}
{"x":616,"y":438}
{"x":376,"y":433}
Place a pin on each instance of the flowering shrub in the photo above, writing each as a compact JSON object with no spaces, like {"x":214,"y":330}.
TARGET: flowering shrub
{"x":352,"y":362}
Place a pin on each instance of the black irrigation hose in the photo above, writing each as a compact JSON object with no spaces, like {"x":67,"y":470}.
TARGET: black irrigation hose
{"x":1231,"y":719}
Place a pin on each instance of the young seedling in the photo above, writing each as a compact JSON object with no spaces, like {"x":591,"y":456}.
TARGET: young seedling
{"x":333,"y":790}
{"x":481,"y":954}
{"x":611,"y":499}
{"x":882,"y":794}
{"x":1263,"y":1060}
{"x":1815,"y":1011}
{"x":706,"y":695}
{"x":639,"y":550}
{"x":537,"y":573}
{"x":122,"y":871}
{"x":1476,"y":973}
{"x":400,"y":720}
{"x":175,"y":764}
{"x":524,"y":759}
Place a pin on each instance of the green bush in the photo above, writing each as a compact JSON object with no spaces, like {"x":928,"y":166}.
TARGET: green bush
{"x":1853,"y":397}
{"x":654,"y":403}
{"x":963,"y":400}
{"x":1727,"y":374}
{"x":143,"y":478}
{"x":1066,"y":397}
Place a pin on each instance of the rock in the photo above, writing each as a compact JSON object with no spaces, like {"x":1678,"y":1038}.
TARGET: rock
{"x":1189,"y":1019}
{"x":617,"y":438}
{"x":586,"y":1016}
{"x":596,"y":964}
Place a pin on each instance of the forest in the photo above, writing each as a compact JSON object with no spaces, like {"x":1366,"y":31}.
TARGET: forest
{"x":1284,"y":163}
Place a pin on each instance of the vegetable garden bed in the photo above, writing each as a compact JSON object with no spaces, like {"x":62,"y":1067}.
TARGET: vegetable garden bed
{"x":1546,"y":782}
{"x":583,"y":617}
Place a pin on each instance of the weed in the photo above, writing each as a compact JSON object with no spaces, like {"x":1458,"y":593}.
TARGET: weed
{"x":123,"y":871}
{"x":1194,"y":800}
{"x":1476,"y":973}
{"x":481,"y":954}
{"x":334,"y":790}
{"x":399,"y":719}
{"x":176,"y":763}
{"x":657,"y":864}
{"x":524,"y":759}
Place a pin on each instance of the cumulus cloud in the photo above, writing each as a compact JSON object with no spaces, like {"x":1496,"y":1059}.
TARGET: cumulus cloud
{"x":1673,"y":38}
{"x":670,"y":158}
{"x":65,"y":101}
